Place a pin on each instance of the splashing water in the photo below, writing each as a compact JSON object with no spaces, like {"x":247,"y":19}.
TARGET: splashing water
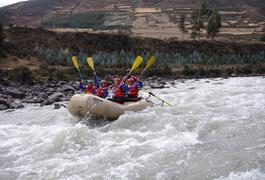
{"x":215,"y":130}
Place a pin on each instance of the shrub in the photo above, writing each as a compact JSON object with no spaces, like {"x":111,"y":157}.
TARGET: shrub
{"x":262,"y":38}
{"x":244,"y":69}
{"x":189,"y":71}
{"x":260,"y":69}
{"x":23,"y":74}
{"x":1,"y":37}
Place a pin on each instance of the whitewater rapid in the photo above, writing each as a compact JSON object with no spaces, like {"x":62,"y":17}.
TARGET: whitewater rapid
{"x":215,"y":130}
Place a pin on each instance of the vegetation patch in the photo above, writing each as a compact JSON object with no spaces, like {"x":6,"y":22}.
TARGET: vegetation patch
{"x":93,"y":20}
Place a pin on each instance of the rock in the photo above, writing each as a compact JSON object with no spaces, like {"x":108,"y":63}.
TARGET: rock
{"x":58,"y":96}
{"x":59,"y":89}
{"x":60,"y":83}
{"x":16,"y":105}
{"x":68,"y":88}
{"x":3,"y":107}
{"x":58,"y":106}
{"x":68,"y":96}
{"x":14,"y":93}
{"x":5,"y":102}
{"x":157,"y":86}
{"x":43,"y":96}
{"x":5,"y":81}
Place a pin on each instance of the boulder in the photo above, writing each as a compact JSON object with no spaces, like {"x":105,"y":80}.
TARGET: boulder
{"x":60,"y":83}
{"x":14,"y":93}
{"x":68,"y":88}
{"x":5,"y":102}
{"x":157,"y":86}
{"x":16,"y":105}
{"x":58,"y":106}
{"x":56,"y":97}
{"x":3,"y":107}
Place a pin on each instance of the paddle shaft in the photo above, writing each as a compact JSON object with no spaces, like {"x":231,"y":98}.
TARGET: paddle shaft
{"x":160,"y":99}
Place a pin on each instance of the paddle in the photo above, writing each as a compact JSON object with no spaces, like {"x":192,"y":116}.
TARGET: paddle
{"x":160,"y":99}
{"x":149,"y":63}
{"x":90,"y":62}
{"x":138,"y":60}
{"x":75,"y":62}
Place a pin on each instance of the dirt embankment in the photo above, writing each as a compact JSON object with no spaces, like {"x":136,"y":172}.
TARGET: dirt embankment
{"x":20,"y":42}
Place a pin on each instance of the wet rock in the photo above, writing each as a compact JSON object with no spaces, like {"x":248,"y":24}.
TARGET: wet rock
{"x":68,"y":88}
{"x":58,"y":106}
{"x":59,"y":89}
{"x":172,"y":83}
{"x":16,"y":105}
{"x":68,"y":97}
{"x":43,"y":96}
{"x":157,"y":86}
{"x":60,"y":83}
{"x":5,"y":102}
{"x":6,"y":82}
{"x":56,"y":97}
{"x":6,"y":99}
{"x":3,"y":107}
{"x":15,"y":93}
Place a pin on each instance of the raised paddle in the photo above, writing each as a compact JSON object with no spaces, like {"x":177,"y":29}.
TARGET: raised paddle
{"x":149,"y":63}
{"x":90,"y":62}
{"x":138,"y":60}
{"x":75,"y":62}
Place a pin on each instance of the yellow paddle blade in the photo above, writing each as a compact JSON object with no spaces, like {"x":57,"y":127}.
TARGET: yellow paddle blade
{"x":75,"y":62}
{"x":150,"y":62}
{"x":138,"y":60}
{"x":90,"y":62}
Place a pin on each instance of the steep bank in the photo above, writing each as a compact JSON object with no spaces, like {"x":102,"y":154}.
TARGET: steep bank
{"x":22,"y":41}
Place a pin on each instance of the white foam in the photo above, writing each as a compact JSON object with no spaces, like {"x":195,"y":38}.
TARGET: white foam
{"x":212,"y":129}
{"x":254,"y":174}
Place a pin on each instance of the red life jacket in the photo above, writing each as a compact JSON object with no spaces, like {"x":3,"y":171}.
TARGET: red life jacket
{"x":118,"y":92}
{"x":91,"y":90}
{"x":101,"y":91}
{"x":133,"y":91}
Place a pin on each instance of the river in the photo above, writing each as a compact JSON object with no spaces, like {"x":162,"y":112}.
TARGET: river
{"x":215,"y":130}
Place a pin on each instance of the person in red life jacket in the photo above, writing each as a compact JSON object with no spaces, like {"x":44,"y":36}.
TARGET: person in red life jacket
{"x":134,"y":86}
{"x":89,"y":88}
{"x":120,"y":90}
{"x":102,"y":91}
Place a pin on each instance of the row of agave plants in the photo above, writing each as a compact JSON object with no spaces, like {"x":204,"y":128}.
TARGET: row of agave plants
{"x":125,"y":59}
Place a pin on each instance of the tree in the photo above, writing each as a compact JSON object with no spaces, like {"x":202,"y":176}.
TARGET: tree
{"x":214,"y":24}
{"x":205,"y":10}
{"x":195,"y":21}
{"x":181,"y":25}
{"x":262,"y":38}
{"x":1,"y":37}
{"x":199,"y":19}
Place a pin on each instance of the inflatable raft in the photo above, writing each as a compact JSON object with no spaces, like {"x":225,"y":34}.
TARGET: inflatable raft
{"x":82,"y":105}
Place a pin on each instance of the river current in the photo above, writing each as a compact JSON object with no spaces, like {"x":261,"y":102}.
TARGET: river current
{"x":215,"y":130}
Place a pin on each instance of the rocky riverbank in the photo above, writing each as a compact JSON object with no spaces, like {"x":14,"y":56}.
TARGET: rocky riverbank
{"x":14,"y":95}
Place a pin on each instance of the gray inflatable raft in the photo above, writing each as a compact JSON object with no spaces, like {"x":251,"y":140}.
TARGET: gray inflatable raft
{"x":82,"y":105}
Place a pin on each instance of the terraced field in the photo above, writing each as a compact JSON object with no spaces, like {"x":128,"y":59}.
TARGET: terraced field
{"x":146,"y":18}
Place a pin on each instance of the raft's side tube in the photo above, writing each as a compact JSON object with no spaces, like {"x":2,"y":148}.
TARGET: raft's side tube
{"x":81,"y":105}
